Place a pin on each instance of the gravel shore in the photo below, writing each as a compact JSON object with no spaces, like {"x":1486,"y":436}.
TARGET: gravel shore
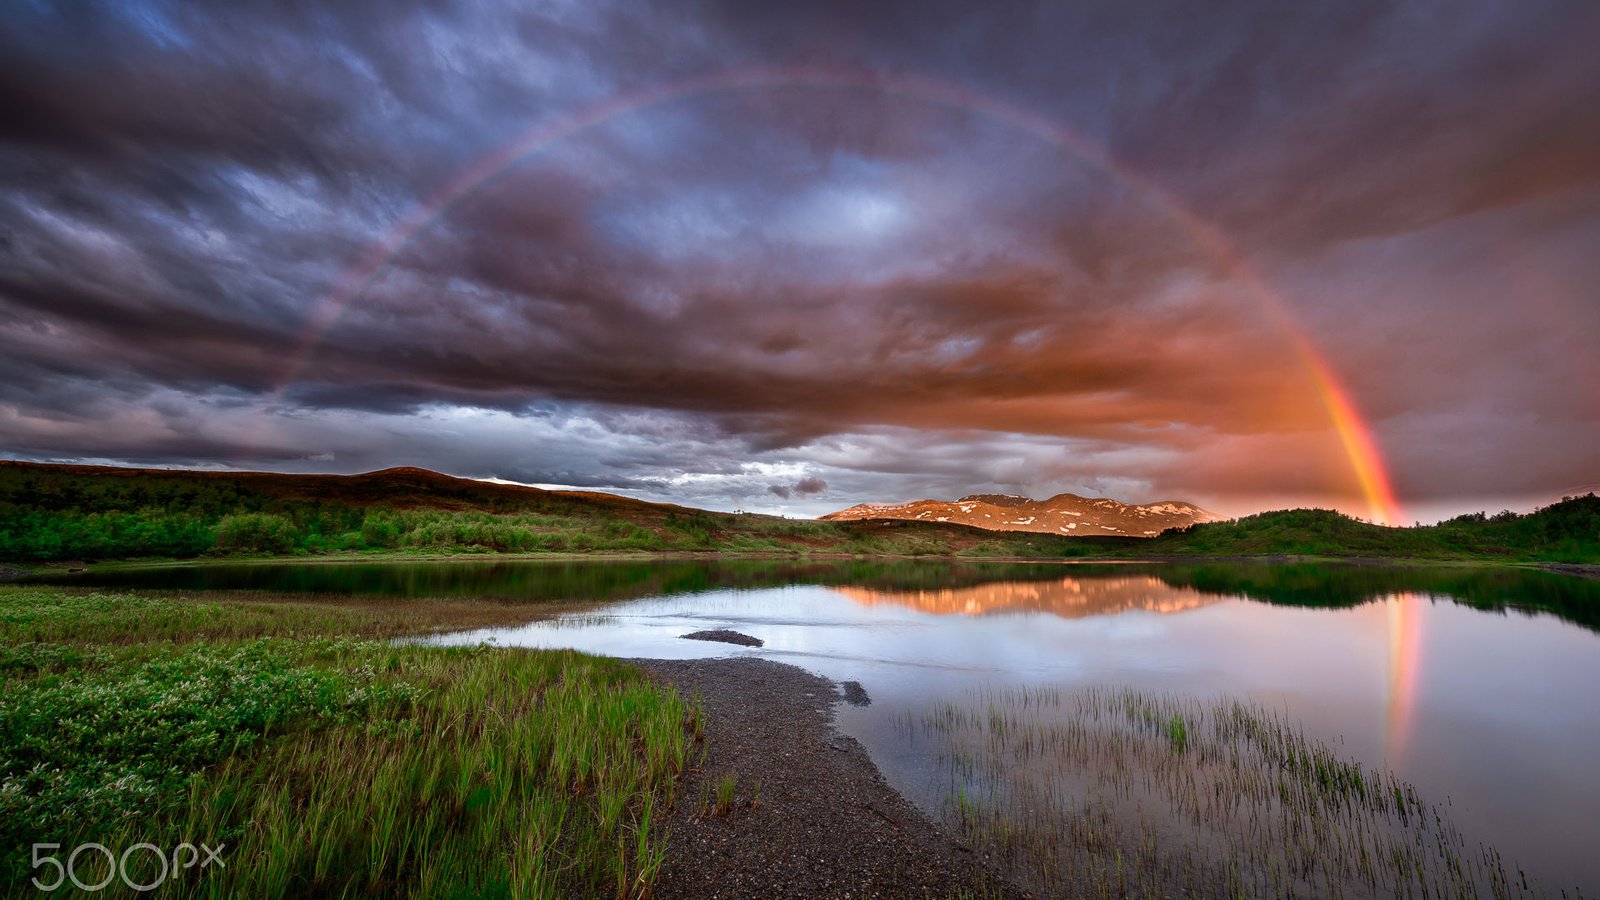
{"x":811,"y":816}
{"x":1579,"y":570}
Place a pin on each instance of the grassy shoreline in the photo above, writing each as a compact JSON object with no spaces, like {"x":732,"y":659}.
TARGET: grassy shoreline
{"x":326,"y":758}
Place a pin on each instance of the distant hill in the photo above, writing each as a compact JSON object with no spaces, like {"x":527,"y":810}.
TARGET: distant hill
{"x":109,"y":488}
{"x":71,"y":512}
{"x":1063,"y":514}
{"x":1568,"y":531}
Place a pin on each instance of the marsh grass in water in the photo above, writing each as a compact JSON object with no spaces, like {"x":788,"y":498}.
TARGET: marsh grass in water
{"x":1114,"y":792}
{"x":328,"y":765}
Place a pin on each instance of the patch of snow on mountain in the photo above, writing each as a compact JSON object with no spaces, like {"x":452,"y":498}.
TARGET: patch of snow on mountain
{"x":1172,"y":508}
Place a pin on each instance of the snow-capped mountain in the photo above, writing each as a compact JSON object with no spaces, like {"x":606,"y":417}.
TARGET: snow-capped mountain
{"x":1066,"y":514}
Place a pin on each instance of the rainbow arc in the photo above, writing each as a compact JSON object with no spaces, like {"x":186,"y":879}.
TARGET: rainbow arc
{"x":1355,"y":435}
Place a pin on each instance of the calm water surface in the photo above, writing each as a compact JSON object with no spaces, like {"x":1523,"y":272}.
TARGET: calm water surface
{"x":1479,"y":686}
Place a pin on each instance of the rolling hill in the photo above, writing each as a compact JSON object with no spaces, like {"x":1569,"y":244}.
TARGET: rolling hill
{"x":71,"y":512}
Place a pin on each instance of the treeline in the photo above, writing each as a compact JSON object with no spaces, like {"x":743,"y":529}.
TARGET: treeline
{"x":1568,"y":531}
{"x":288,"y":529}
{"x":37,"y":535}
{"x":53,"y":513}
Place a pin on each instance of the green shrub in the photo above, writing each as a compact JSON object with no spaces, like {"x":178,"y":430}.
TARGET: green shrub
{"x":256,"y":533}
{"x":102,"y":746}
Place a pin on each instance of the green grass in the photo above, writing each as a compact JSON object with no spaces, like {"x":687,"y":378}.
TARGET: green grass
{"x":73,"y":620}
{"x":328,"y":765}
{"x":1123,"y":793}
{"x":726,"y":785}
{"x":721,"y":796}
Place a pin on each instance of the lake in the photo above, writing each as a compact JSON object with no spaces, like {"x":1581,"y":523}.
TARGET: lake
{"x":1479,"y":686}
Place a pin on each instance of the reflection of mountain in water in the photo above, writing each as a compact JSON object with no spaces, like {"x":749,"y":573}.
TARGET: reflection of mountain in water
{"x":1069,"y":598}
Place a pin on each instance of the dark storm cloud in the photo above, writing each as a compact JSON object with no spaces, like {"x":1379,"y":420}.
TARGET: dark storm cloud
{"x":732,"y":295}
{"x":807,"y":486}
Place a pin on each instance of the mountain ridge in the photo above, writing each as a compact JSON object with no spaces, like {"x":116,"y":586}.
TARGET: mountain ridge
{"x":1065,"y":514}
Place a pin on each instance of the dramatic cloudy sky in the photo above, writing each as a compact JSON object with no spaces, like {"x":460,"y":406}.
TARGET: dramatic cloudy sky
{"x":790,"y":257}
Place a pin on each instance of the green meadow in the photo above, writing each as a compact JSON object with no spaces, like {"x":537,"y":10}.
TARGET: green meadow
{"x":321,"y":756}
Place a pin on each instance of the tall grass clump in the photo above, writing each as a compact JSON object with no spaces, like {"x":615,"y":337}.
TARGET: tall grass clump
{"x":1119,"y":792}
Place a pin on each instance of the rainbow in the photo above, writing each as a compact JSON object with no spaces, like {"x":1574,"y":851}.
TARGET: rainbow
{"x":1354,"y":434}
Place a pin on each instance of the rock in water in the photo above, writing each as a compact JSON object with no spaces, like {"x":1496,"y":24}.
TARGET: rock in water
{"x":725,"y":636}
{"x":855,"y":694}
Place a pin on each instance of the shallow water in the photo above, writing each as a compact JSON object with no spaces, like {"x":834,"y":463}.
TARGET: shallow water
{"x":1478,"y":686}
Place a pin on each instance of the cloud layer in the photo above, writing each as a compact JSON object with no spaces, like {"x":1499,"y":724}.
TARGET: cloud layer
{"x":801,"y":296}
